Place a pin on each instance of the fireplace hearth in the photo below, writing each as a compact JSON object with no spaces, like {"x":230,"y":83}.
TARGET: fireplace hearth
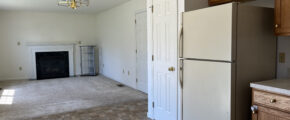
{"x":52,"y":64}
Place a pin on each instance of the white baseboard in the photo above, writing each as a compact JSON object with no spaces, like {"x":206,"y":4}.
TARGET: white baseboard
{"x":24,"y":78}
{"x":13,"y":79}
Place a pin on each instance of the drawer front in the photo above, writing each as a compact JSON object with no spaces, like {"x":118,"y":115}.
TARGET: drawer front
{"x":272,"y":100}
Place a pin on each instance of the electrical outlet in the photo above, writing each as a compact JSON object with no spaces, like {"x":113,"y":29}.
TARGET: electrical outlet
{"x":282,"y":57}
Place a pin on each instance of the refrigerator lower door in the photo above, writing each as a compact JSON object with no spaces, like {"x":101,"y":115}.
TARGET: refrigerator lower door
{"x":206,"y":90}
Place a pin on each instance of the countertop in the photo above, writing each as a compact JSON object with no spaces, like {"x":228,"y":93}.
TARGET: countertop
{"x":279,"y":86}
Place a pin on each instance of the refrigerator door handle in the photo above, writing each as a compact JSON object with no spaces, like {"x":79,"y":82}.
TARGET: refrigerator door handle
{"x":181,"y":74}
{"x":181,"y":82}
{"x":181,"y":43}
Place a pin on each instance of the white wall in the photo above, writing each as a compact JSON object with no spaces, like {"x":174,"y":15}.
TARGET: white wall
{"x":116,"y":41}
{"x":283,"y":69}
{"x":24,"y":27}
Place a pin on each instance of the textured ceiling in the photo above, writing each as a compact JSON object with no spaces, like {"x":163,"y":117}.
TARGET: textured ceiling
{"x":51,"y":5}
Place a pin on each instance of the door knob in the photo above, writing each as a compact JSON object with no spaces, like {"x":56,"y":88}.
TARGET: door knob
{"x":171,"y":69}
{"x":276,"y":26}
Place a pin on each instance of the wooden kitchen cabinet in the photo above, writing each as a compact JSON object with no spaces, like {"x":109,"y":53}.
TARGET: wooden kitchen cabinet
{"x":264,"y":113}
{"x":282,"y":17}
{"x":217,"y":2}
{"x":270,"y":106}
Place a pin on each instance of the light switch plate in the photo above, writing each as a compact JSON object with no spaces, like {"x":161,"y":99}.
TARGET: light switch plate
{"x":20,"y":68}
{"x":282,"y":57}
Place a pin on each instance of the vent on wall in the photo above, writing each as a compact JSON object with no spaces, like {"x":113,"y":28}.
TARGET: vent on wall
{"x":120,"y":85}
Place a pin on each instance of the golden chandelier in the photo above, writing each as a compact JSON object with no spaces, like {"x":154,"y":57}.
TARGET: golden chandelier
{"x":74,"y":4}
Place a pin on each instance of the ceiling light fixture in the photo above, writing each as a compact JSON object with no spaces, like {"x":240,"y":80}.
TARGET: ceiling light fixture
{"x":74,"y":4}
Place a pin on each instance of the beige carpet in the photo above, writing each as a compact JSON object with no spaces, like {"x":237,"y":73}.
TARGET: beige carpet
{"x":125,"y":111}
{"x":34,"y":99}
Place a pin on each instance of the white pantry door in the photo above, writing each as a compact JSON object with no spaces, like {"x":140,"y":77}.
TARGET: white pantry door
{"x":141,"y":53}
{"x":165,"y":34}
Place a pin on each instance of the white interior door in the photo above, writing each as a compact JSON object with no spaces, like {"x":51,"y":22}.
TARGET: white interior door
{"x":165,"y":27}
{"x":141,"y":51}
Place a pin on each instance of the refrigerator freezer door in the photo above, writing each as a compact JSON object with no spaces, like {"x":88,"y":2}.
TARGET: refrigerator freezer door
{"x":208,"y":33}
{"x":207,"y":90}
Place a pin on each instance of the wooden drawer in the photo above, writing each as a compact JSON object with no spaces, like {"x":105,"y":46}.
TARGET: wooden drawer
{"x":271,"y":100}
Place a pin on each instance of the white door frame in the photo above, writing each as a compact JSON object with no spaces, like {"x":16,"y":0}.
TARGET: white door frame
{"x":181,"y":9}
{"x":150,"y":113}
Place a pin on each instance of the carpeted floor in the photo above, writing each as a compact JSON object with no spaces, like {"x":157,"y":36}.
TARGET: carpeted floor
{"x":123,"y":111}
{"x":71,"y":99}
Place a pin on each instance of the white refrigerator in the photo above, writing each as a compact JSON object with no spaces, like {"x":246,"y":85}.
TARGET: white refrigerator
{"x":223,"y":49}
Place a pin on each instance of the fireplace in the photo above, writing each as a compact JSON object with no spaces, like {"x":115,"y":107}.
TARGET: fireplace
{"x":52,"y":64}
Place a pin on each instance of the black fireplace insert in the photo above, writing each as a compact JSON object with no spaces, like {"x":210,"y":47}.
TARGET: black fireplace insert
{"x":52,"y":65}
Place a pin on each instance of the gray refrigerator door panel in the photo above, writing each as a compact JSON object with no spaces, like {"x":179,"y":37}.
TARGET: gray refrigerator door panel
{"x":206,"y":90}
{"x":208,"y":33}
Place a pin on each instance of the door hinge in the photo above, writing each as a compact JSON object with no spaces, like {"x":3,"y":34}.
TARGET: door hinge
{"x":152,"y":8}
{"x":152,"y":57}
{"x":135,"y":21}
{"x":153,"y":105}
{"x":136,"y":51}
{"x":136,"y":80}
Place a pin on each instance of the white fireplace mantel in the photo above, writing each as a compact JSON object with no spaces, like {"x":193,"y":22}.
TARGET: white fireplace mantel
{"x":52,"y":48}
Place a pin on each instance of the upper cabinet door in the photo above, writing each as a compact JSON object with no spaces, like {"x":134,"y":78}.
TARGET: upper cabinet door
{"x":282,"y":17}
